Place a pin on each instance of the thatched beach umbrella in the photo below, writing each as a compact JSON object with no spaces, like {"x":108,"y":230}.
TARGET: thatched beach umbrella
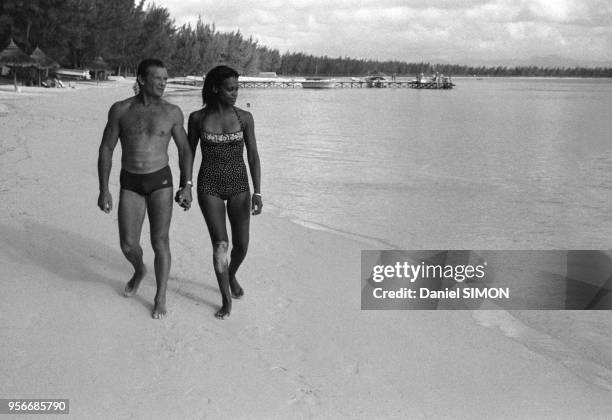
{"x":99,"y":65}
{"x":12,"y":56}
{"x":43,"y":62}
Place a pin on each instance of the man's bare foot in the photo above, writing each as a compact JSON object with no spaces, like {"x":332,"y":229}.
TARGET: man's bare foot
{"x":132,"y":286}
{"x":224,"y":312}
{"x":159,"y":310}
{"x":237,"y":290}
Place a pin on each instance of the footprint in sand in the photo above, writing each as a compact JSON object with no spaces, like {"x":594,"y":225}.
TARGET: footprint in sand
{"x":304,"y":396}
{"x":353,"y":368}
{"x":282,"y":303}
{"x":250,"y":332}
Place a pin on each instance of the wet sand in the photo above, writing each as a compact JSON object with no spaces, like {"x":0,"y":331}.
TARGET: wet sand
{"x":296,"y":346}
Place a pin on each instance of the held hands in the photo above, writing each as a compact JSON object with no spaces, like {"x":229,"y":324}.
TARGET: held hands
{"x":256,"y":204}
{"x":183,"y":197}
{"x":105,"y":201}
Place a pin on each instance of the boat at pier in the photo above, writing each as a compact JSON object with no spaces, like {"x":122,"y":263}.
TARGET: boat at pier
{"x":187,"y":80}
{"x":264,"y":79}
{"x":377,"y":82}
{"x":318,"y":83}
{"x":437,"y":81}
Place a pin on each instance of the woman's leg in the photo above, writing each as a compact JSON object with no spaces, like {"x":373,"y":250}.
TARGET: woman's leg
{"x":213,"y":209}
{"x":239,"y":213}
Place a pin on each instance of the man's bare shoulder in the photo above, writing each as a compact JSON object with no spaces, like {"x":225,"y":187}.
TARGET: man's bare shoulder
{"x":122,"y":104}
{"x":173,"y":110}
{"x":119,"y":108}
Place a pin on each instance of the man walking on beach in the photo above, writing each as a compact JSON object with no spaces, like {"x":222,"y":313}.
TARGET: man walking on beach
{"x":144,"y":124}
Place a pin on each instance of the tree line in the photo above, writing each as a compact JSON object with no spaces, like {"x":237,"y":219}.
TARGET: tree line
{"x":302,"y":64}
{"x":123,"y":32}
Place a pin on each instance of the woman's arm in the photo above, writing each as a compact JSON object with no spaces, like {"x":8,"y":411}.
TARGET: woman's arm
{"x":193,"y":131}
{"x":253,"y":158}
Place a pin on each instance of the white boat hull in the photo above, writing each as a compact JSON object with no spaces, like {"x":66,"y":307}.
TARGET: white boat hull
{"x":319,"y":84}
{"x":76,"y":74}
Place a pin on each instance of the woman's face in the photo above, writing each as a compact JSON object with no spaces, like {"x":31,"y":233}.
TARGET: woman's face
{"x":228,"y":91}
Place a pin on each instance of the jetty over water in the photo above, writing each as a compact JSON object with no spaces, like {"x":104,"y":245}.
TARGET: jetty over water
{"x":343,"y":83}
{"x":413,"y":84}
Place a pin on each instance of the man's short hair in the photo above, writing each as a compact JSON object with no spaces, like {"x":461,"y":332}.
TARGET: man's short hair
{"x":147,"y":63}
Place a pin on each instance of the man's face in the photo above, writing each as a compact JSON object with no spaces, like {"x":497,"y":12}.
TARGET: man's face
{"x":155,"y":81}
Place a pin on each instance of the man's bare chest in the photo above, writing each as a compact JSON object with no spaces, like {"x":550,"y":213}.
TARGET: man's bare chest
{"x":146,"y":124}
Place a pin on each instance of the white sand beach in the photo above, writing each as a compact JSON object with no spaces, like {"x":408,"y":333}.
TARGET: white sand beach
{"x":296,"y":346}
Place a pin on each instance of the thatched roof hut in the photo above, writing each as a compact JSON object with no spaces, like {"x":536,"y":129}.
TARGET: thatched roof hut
{"x":42,"y":60}
{"x":100,"y":66}
{"x":13,"y":56}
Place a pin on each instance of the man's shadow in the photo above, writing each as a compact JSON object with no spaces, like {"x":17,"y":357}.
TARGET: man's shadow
{"x":67,"y":255}
{"x":77,"y":258}
{"x":189,"y":289}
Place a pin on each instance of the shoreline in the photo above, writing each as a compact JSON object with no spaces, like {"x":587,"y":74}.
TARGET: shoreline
{"x":296,"y":346}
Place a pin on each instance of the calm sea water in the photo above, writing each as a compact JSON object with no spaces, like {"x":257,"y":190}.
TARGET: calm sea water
{"x":491,"y":164}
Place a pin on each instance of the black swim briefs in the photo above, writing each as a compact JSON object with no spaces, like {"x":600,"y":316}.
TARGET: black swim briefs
{"x":145,"y":184}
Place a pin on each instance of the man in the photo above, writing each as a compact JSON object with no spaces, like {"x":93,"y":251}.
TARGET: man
{"x":144,"y":124}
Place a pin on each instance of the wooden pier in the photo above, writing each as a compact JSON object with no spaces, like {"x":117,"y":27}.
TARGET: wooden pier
{"x":340,"y":84}
{"x":350,"y":84}
{"x":396,"y":84}
{"x":269,"y":84}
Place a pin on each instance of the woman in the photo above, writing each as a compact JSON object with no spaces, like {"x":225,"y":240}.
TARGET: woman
{"x":223,"y":130}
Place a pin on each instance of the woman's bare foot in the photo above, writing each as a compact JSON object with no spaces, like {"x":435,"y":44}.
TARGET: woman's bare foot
{"x":159,"y":310}
{"x":237,"y":290}
{"x":224,"y":312}
{"x":132,"y":286}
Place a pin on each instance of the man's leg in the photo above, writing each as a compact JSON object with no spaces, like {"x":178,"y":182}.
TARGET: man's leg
{"x":159,"y":206}
{"x":213,"y":209}
{"x":132,"y":209}
{"x":239,"y":214}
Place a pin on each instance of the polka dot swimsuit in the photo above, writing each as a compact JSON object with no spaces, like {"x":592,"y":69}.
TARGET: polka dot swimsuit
{"x":223,"y":173}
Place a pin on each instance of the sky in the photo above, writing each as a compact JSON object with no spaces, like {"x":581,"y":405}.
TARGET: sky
{"x":470,"y":32}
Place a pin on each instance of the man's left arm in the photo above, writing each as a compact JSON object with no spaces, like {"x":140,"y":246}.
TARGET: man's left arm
{"x":183,"y":195}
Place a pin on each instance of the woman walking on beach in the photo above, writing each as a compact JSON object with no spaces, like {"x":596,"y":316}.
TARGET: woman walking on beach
{"x":223,"y":130}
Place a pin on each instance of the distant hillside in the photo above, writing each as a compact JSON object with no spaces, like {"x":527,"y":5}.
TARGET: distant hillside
{"x":550,"y":61}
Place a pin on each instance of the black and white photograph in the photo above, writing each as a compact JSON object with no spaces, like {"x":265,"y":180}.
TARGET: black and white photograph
{"x":304,"y":209}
